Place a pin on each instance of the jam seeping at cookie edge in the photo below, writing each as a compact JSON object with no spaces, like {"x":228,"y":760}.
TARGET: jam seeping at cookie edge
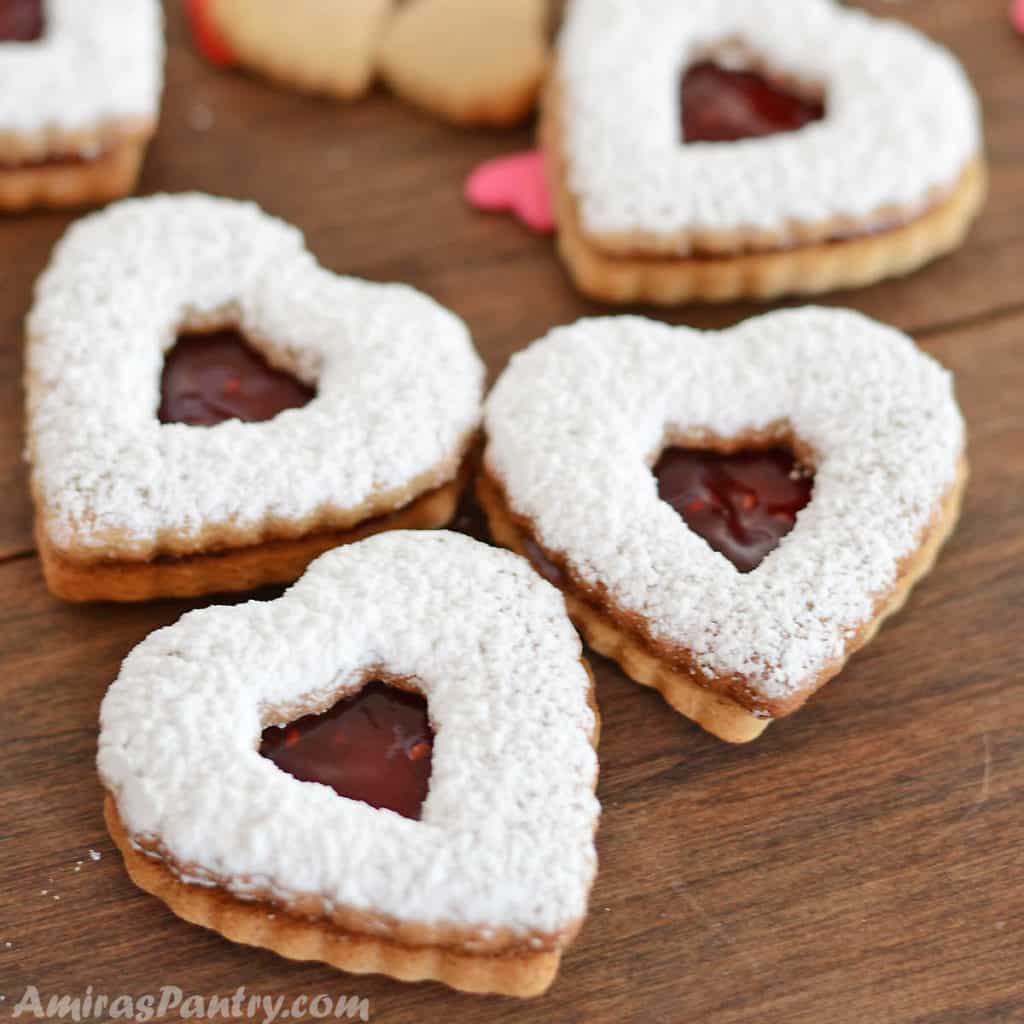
{"x":723,"y":105}
{"x":375,"y":746}
{"x":210,"y":378}
{"x":742,"y":504}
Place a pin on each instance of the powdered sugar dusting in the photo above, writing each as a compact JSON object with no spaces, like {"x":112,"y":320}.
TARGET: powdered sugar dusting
{"x":506,"y":836}
{"x":575,"y":422}
{"x":97,"y":60}
{"x":399,"y":382}
{"x":902,"y":120}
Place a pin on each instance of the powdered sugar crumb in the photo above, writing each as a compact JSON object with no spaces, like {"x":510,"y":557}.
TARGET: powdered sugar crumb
{"x":95,"y":855}
{"x":506,"y":836}
{"x":902,"y":119}
{"x":399,"y":382}
{"x":576,"y":420}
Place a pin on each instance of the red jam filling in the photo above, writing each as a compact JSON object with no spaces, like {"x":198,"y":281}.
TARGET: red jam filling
{"x":375,"y":747}
{"x":535,"y":553}
{"x":210,"y":378}
{"x":720,"y":105}
{"x":21,"y":21}
{"x":742,"y":504}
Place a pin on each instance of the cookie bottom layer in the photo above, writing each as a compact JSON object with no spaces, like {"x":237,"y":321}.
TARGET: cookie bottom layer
{"x":73,"y":183}
{"x":256,"y":924}
{"x":232,"y":570}
{"x":696,"y":698}
{"x":803,"y":270}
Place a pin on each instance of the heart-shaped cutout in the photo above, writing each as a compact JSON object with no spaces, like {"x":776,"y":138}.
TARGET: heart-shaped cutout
{"x":726,"y":105}
{"x":516,"y":184}
{"x":858,"y":403}
{"x":374,"y":746}
{"x":211,"y":378}
{"x":742,"y":503}
{"x":397,"y":384}
{"x":22,"y":21}
{"x":476,"y":62}
{"x":488,"y":887}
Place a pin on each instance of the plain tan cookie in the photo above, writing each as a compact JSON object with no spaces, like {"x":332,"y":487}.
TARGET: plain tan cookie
{"x":469,"y":61}
{"x":320,"y":46}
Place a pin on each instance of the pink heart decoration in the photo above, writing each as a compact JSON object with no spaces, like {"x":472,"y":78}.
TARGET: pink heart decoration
{"x":1017,"y":15}
{"x":517,"y":184}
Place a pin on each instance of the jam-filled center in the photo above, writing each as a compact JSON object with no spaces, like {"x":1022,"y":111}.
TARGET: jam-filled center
{"x":722,"y":105}
{"x":21,"y":21}
{"x":375,"y":746}
{"x":741,"y":504}
{"x":210,"y":378}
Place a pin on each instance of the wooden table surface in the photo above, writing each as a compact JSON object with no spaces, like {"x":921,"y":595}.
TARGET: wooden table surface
{"x":863,"y":863}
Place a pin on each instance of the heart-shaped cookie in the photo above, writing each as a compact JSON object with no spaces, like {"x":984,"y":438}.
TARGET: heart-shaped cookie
{"x":147,"y":478}
{"x":470,"y":61}
{"x":487,"y":888}
{"x":517,"y":184}
{"x":307,"y":44}
{"x":657,"y":571}
{"x":80,"y":88}
{"x":859,"y":152}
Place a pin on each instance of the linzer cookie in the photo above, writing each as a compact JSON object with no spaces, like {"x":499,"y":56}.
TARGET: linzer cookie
{"x":730,"y":515}
{"x":80,"y":88}
{"x":714,"y":149}
{"x":209,"y":409}
{"x":390,"y":769}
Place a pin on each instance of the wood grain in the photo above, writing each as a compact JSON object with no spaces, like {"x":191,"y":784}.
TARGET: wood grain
{"x":861,"y":864}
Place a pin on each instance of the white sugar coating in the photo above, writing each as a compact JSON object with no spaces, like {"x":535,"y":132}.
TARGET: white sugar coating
{"x":901,"y":117}
{"x":506,"y":835}
{"x":97,"y":60}
{"x":576,"y":420}
{"x":399,"y":382}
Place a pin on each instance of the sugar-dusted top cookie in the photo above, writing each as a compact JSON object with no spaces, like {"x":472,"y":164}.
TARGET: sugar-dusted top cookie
{"x":577,"y":421}
{"x":502,"y":857}
{"x":94,"y":70}
{"x":900,"y":123}
{"x":398,"y":385}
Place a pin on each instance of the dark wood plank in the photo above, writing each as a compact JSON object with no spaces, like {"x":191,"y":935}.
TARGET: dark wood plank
{"x":861,"y":863}
{"x":377,"y":188}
